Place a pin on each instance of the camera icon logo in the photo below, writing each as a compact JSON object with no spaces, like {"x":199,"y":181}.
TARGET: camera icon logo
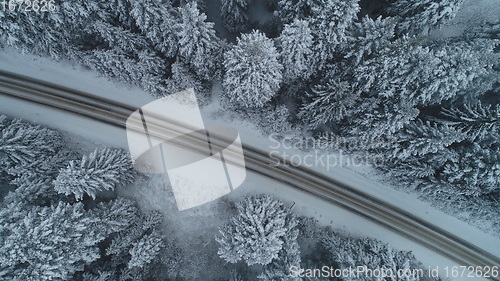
{"x":168,"y":136}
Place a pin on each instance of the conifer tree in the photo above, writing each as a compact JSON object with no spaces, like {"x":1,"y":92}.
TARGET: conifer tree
{"x":183,"y":79}
{"x":126,"y":245}
{"x":295,"y":46}
{"x":329,"y":28}
{"x":419,"y":138}
{"x":234,"y":15}
{"x":288,"y":256}
{"x":368,"y":37}
{"x":474,"y":171}
{"x":351,"y":253}
{"x":330,"y":102}
{"x":405,"y":77}
{"x":419,"y":16}
{"x":423,"y":75}
{"x":101,"y":276}
{"x":253,"y":72}
{"x":156,"y":21}
{"x":291,"y":10}
{"x":145,"y":250}
{"x":481,"y":122}
{"x":50,"y":243}
{"x":119,"y":38}
{"x":256,"y":234}
{"x":134,"y":246}
{"x":199,"y":47}
{"x":116,"y":215}
{"x":28,"y":149}
{"x":276,"y":120}
{"x":103,"y":169}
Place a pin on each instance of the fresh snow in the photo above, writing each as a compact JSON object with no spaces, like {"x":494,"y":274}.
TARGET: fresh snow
{"x":66,"y":74}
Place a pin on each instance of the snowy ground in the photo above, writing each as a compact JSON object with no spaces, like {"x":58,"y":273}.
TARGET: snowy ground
{"x":156,"y":196}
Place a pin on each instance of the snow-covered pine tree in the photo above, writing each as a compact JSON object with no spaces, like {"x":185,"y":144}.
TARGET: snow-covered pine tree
{"x":45,"y":168}
{"x":62,"y":33}
{"x":390,"y":70}
{"x":288,"y":256}
{"x":414,"y":170}
{"x":134,"y":241}
{"x":127,"y":62}
{"x":50,"y":243}
{"x":295,"y":45}
{"x":116,"y":37}
{"x":349,"y":252}
{"x":113,"y":63}
{"x":381,"y":117}
{"x":276,"y":120}
{"x":178,"y":263}
{"x":368,"y":37}
{"x":182,"y":79}
{"x":13,"y":209}
{"x":199,"y":47}
{"x":333,"y":99}
{"x":291,"y":10}
{"x":23,"y":144}
{"x":116,"y":11}
{"x":474,"y":171}
{"x":32,"y":157}
{"x":484,"y":41}
{"x":102,"y":35}
{"x":450,"y":70}
{"x":38,"y":33}
{"x":329,"y":27}
{"x":404,"y":77}
{"x":103,"y":169}
{"x":154,"y":85}
{"x":134,"y":55}
{"x":33,"y":189}
{"x":329,"y":102}
{"x":126,"y":247}
{"x":127,"y":274}
{"x":420,"y":138}
{"x":253,"y":72}
{"x":145,"y":250}
{"x":420,"y":16}
{"x":256,"y":233}
{"x":234,"y":15}
{"x":156,"y":21}
{"x":116,"y":215}
{"x":481,"y":122}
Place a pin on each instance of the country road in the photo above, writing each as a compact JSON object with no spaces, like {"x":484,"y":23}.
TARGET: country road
{"x":329,"y":189}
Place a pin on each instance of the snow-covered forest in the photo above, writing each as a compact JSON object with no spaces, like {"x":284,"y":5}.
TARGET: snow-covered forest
{"x":60,"y":219}
{"x":331,"y":69}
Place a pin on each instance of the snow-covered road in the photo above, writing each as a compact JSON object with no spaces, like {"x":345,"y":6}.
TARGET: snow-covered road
{"x":63,"y":74}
